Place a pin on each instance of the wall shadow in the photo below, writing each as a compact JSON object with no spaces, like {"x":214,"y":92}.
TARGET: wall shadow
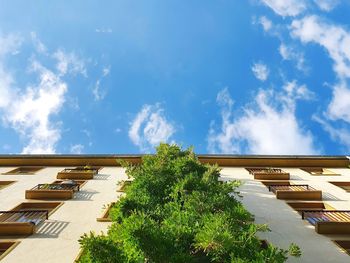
{"x":50,"y":229}
{"x":84,"y":195}
{"x":101,"y":176}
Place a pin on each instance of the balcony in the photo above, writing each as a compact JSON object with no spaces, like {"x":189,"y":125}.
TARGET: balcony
{"x":4,"y":184}
{"x":79,"y":173}
{"x":123,"y":185}
{"x":329,"y":221}
{"x":268,"y":174}
{"x":105,"y":216}
{"x":296,"y":192}
{"x":64,"y":190}
{"x":21,"y":222}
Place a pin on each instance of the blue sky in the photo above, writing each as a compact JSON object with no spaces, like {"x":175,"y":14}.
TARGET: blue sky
{"x":234,"y":77}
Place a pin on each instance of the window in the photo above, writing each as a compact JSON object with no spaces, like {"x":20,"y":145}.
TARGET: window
{"x":6,"y":247}
{"x":4,"y":184}
{"x":25,"y":170}
{"x":51,"y":207}
{"x":343,"y":244}
{"x":318,"y":171}
{"x":343,"y":185}
{"x":300,"y":206}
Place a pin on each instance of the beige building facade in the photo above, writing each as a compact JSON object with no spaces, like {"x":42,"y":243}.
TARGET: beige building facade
{"x":296,"y":194}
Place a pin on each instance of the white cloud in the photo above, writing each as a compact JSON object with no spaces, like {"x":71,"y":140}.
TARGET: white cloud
{"x":339,"y":107}
{"x":69,"y":63}
{"x":286,"y":7}
{"x":260,"y":71}
{"x":289,"y":53}
{"x":333,"y":38}
{"x":266,"y":23}
{"x":326,"y":5}
{"x":336,"y":40}
{"x":267,"y":126}
{"x":29,"y":110}
{"x":150,"y":127}
{"x":77,"y":148}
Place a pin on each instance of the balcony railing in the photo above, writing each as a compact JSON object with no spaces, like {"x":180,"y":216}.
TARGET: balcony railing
{"x":296,"y":192}
{"x":268,"y":173}
{"x":313,"y":217}
{"x":60,"y":186}
{"x":264,"y":170}
{"x":32,"y":216}
{"x":296,"y":187}
{"x":79,"y":173}
{"x":80,"y":170}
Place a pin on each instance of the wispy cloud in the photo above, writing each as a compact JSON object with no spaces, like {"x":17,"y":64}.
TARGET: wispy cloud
{"x":150,"y":127}
{"x":326,"y":5}
{"x":335,"y":39}
{"x":106,"y":70}
{"x":338,"y":134}
{"x":69,"y":63}
{"x":97,"y":91}
{"x":267,"y":126}
{"x":77,"y":148}
{"x":38,"y":45}
{"x":290,"y":53}
{"x":10,"y":44}
{"x":261,"y":71}
{"x":266,"y":23}
{"x":286,"y":7}
{"x":104,"y":30}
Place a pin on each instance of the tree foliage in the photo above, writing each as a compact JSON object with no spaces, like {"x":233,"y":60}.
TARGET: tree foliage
{"x":177,"y":210}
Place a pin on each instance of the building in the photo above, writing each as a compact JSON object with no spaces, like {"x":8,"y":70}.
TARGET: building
{"x":43,"y":214}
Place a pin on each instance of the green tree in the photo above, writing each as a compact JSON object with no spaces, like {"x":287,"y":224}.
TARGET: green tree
{"x":177,"y":210}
